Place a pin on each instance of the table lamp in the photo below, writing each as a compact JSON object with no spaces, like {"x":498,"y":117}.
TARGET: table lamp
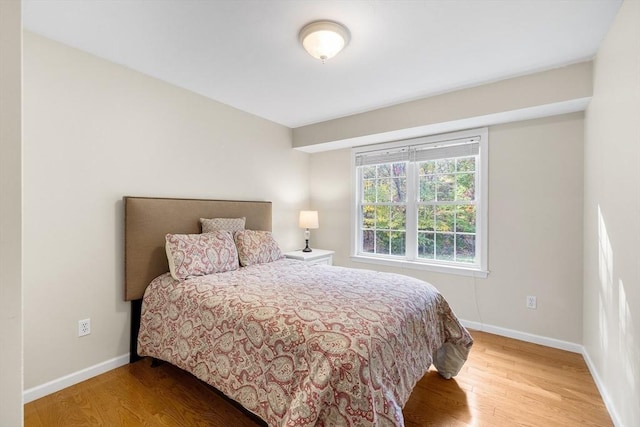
{"x":308,"y":219}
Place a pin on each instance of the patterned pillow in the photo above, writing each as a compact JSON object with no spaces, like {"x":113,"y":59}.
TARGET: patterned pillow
{"x":256,"y":247}
{"x":200,"y":254}
{"x":229,"y":224}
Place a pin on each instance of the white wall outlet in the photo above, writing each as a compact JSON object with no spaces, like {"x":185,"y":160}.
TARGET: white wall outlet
{"x":84,"y":327}
{"x":532,"y":302}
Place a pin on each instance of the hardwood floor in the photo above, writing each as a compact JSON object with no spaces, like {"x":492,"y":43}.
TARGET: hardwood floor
{"x":505,"y":382}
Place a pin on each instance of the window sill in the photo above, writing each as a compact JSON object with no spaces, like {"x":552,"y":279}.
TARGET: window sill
{"x":448,"y":269}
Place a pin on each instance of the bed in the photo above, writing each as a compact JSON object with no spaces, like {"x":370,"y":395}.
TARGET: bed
{"x":293,"y":343}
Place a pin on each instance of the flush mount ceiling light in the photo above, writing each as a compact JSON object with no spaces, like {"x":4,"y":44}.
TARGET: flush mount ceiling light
{"x":324,"y":39}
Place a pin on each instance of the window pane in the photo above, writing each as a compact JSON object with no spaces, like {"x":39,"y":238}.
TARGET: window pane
{"x":382,"y":217}
{"x":368,"y":172}
{"x":368,"y":217}
{"x":427,"y":188}
{"x":382,"y":242}
{"x":400,"y":169}
{"x":398,"y":189}
{"x":445,"y":165}
{"x":445,"y":218}
{"x":466,"y":186}
{"x":427,"y":168}
{"x":465,"y":248}
{"x":466,"y":218}
{"x":446,"y":185}
{"x":466,"y":164}
{"x":444,"y":246}
{"x":426,"y":220}
{"x":425,"y":245}
{"x":384,"y":171}
{"x":397,"y":243}
{"x":383,"y":190}
{"x":398,"y":218}
{"x":369,"y":191}
{"x":368,"y":241}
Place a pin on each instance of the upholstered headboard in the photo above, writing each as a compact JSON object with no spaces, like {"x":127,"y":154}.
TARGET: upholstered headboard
{"x":148,"y":220}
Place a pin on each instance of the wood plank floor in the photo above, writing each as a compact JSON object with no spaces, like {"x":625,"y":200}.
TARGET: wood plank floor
{"x":505,"y":382}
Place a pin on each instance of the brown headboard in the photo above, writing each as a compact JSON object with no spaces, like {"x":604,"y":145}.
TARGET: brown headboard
{"x":148,"y":220}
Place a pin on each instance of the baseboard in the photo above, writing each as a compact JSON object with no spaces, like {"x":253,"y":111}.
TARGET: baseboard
{"x":608,"y":402}
{"x":73,"y":378}
{"x":524,"y":336}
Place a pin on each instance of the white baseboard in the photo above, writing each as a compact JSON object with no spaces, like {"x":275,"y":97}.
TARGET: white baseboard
{"x":608,"y":403}
{"x":524,"y":336}
{"x":74,"y":378}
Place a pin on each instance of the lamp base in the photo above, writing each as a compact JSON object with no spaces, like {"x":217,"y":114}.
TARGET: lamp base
{"x":306,"y":248}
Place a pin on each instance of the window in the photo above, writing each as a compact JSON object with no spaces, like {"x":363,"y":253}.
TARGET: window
{"x":422,"y":203}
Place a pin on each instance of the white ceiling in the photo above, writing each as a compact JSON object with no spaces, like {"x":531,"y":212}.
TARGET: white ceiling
{"x":245,"y":53}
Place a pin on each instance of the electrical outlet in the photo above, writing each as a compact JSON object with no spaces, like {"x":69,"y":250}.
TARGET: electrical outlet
{"x":532,"y":302}
{"x":84,"y":327}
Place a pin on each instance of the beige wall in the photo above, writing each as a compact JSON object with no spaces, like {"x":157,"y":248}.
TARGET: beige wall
{"x":94,"y":132}
{"x":612,"y":218}
{"x":10,"y":215}
{"x":530,"y":95}
{"x":535,"y":228}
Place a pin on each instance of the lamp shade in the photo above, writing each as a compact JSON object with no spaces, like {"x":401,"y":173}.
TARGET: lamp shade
{"x":308,"y":219}
{"x":324,"y":39}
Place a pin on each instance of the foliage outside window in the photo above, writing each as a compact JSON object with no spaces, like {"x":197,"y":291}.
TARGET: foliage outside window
{"x":422,"y":201}
{"x":384,"y":205}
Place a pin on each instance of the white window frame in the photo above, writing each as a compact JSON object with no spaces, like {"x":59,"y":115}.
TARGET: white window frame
{"x":478,"y":269}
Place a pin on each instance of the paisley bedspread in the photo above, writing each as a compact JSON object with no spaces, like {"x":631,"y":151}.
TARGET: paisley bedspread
{"x":305,"y":345}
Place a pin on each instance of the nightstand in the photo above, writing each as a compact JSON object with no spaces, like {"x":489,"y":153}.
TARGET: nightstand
{"x":317,"y":256}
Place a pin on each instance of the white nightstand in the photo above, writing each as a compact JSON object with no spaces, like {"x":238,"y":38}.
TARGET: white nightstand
{"x":317,"y":256}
